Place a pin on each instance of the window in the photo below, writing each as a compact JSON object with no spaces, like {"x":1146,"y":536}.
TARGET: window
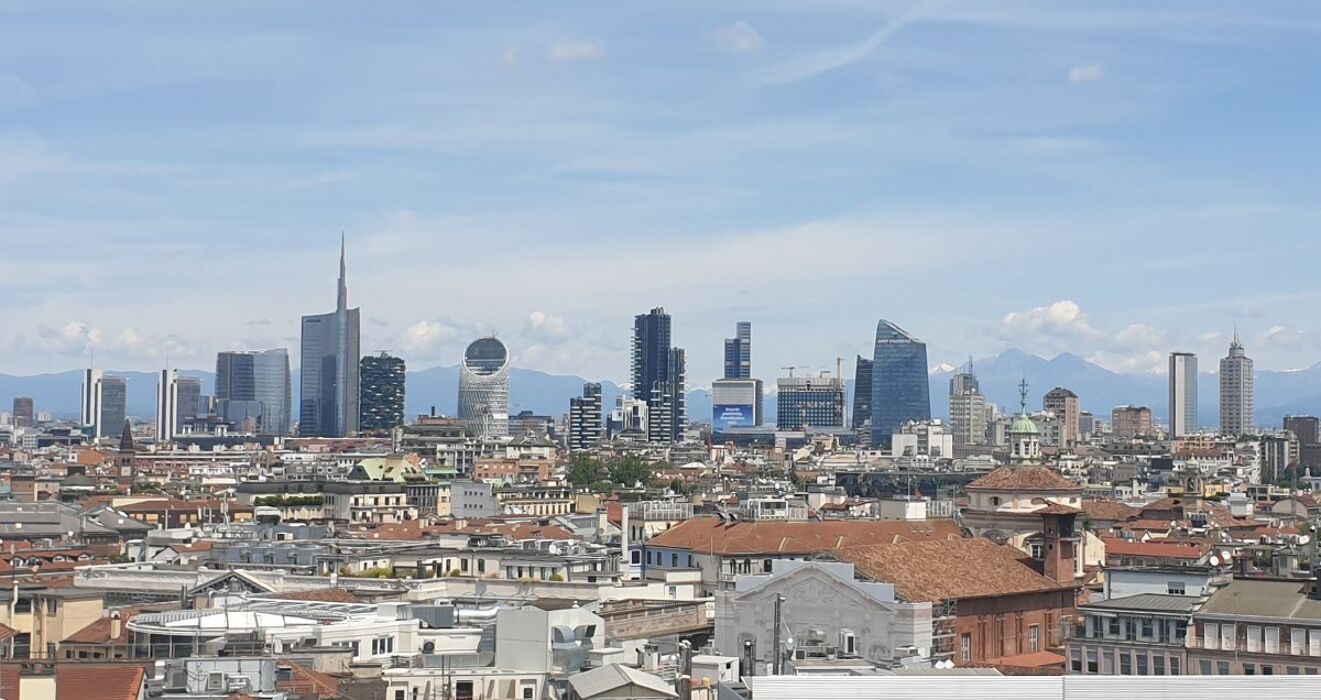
{"x":1222,"y":668}
{"x":1272,"y":640}
{"x":1114,"y":627}
{"x":1091,"y":662}
{"x":1291,"y":670}
{"x":1267,"y":670}
{"x":1158,"y":665}
{"x":674,"y":560}
{"x":463,"y":690}
{"x":1148,"y":628}
{"x":52,"y":606}
{"x":215,"y":681}
{"x":1249,"y":670}
{"x":1174,"y":666}
{"x":1125,"y":664}
{"x":965,"y":648}
{"x":1297,"y":640}
{"x":1108,"y":663}
{"x":527,"y":692}
{"x":1206,"y":668}
{"x":1254,"y":638}
{"x":1311,"y":671}
{"x":1174,"y":588}
{"x":1034,"y":638}
{"x":399,"y":695}
{"x":1210,"y":635}
{"x":1075,"y":660}
{"x":1142,"y":663}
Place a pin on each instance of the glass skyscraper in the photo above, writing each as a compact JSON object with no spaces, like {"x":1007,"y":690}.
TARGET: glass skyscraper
{"x":738,"y":352}
{"x":382,"y":393}
{"x":862,"y":397}
{"x":253,"y":387}
{"x":328,"y":406}
{"x":900,"y":392}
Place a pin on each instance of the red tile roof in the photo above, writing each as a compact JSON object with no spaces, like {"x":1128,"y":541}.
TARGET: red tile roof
{"x":1024,"y":479}
{"x":98,"y":632}
{"x":1162,"y":550}
{"x":98,"y":681}
{"x":305,"y":681}
{"x":953,"y":569}
{"x":710,"y":536}
{"x":1108,"y":510}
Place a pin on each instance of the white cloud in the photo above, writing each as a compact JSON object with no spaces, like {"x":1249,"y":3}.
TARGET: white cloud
{"x":544,"y":325}
{"x":1139,"y":336}
{"x":740,"y":37}
{"x":574,"y":50}
{"x":426,"y":335}
{"x":74,"y":337}
{"x":1089,"y":73}
{"x":1149,"y":362}
{"x":810,"y":66}
{"x":1062,"y":319}
{"x":1284,"y":338}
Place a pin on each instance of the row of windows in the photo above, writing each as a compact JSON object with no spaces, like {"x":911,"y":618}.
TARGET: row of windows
{"x":1129,"y":664}
{"x":1222,"y":669}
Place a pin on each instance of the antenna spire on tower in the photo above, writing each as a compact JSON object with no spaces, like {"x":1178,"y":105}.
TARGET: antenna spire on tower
{"x":1022,"y":396}
{"x":343,"y":300}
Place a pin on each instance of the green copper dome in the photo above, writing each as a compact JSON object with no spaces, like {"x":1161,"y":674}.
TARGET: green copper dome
{"x":1023,"y":425}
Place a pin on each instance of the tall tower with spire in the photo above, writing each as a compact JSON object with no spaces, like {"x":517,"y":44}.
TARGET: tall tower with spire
{"x":1236,"y":390}
{"x":331,"y":348}
{"x":1024,"y":437}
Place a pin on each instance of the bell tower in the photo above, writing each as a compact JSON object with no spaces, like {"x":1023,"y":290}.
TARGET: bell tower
{"x":126,"y":460}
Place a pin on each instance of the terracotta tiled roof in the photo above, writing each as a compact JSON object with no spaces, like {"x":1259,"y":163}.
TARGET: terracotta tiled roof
{"x":6,"y":632}
{"x":1164,"y":550}
{"x":1053,"y":508}
{"x":98,"y":632}
{"x":305,"y":681}
{"x":1108,"y":510}
{"x":322,"y":595}
{"x":98,"y":681}
{"x":1024,"y":479}
{"x":709,"y":535}
{"x":1032,"y":660}
{"x":954,"y":569}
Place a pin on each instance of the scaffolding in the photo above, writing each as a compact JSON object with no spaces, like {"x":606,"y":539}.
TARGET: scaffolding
{"x":944,"y":629}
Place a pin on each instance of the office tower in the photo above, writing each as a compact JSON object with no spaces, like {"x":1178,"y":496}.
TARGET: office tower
{"x":900,"y":392}
{"x":1130,"y":421}
{"x":1086,"y":424}
{"x":1306,"y":428}
{"x":862,"y":398}
{"x":253,"y":390}
{"x":809,"y":402}
{"x":188,"y":401}
{"x":735,"y":403}
{"x":484,"y":388}
{"x":167,"y":406}
{"x":1064,"y":404}
{"x":382,"y":393}
{"x":1236,"y":391}
{"x":659,"y":376}
{"x":738,"y":352}
{"x":967,"y":410}
{"x":585,"y":428}
{"x":111,"y":405}
{"x":328,"y":406}
{"x":88,"y":410}
{"x":25,"y":415}
{"x":1183,"y":394}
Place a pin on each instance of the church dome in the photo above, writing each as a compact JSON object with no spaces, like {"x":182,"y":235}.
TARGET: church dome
{"x":1023,"y":425}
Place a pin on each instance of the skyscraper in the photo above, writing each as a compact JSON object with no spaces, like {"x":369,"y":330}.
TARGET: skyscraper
{"x":585,"y":424}
{"x":328,"y":406}
{"x":900,"y":392}
{"x":659,"y":376}
{"x":967,"y":409}
{"x":484,"y":387}
{"x":1183,"y":394}
{"x":167,"y":406}
{"x":809,"y":402}
{"x":25,"y":414}
{"x":862,"y":398}
{"x":1236,"y":391}
{"x":111,"y":404}
{"x":1064,"y":404}
{"x":187,"y":401}
{"x":89,"y":411}
{"x":253,"y":390}
{"x":738,"y":352}
{"x":1130,"y":421}
{"x":382,"y":393}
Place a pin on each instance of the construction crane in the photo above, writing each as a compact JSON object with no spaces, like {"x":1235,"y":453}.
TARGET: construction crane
{"x":791,"y":369}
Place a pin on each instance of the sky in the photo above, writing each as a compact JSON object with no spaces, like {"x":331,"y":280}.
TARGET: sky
{"x":1115,"y":180}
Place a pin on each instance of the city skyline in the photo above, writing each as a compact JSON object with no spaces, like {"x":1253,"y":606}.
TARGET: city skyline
{"x":1052,"y":124}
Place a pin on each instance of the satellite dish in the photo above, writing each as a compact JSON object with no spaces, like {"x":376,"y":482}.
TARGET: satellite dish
{"x":1226,"y":556}
{"x":1304,"y":539}
{"x":1215,"y":561}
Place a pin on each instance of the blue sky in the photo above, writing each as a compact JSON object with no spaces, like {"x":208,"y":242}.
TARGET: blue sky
{"x":1113,"y":179}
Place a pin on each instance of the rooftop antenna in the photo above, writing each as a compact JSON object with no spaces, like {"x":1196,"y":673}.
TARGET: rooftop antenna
{"x":1022,"y":395}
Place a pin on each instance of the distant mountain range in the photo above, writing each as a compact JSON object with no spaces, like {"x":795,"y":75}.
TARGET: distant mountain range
{"x":1099,"y":390}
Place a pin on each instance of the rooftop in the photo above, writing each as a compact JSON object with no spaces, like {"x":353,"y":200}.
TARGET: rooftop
{"x":1149,"y":602}
{"x":710,"y":535}
{"x":1024,"y":479}
{"x":1262,"y":598}
{"x":949,"y":569}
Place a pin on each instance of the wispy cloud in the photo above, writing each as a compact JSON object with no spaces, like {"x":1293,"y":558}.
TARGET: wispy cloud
{"x":812,"y":65}
{"x":740,"y":37}
{"x":1089,"y":73}
{"x":566,"y":51}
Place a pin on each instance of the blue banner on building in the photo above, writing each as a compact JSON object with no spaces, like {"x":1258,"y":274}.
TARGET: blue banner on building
{"x":727,"y":416}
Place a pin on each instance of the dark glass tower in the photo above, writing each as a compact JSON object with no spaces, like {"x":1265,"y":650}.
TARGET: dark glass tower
{"x":658,"y":376}
{"x":585,"y":426}
{"x":382,"y":402}
{"x":900,"y":392}
{"x":738,"y":352}
{"x":862,"y":397}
